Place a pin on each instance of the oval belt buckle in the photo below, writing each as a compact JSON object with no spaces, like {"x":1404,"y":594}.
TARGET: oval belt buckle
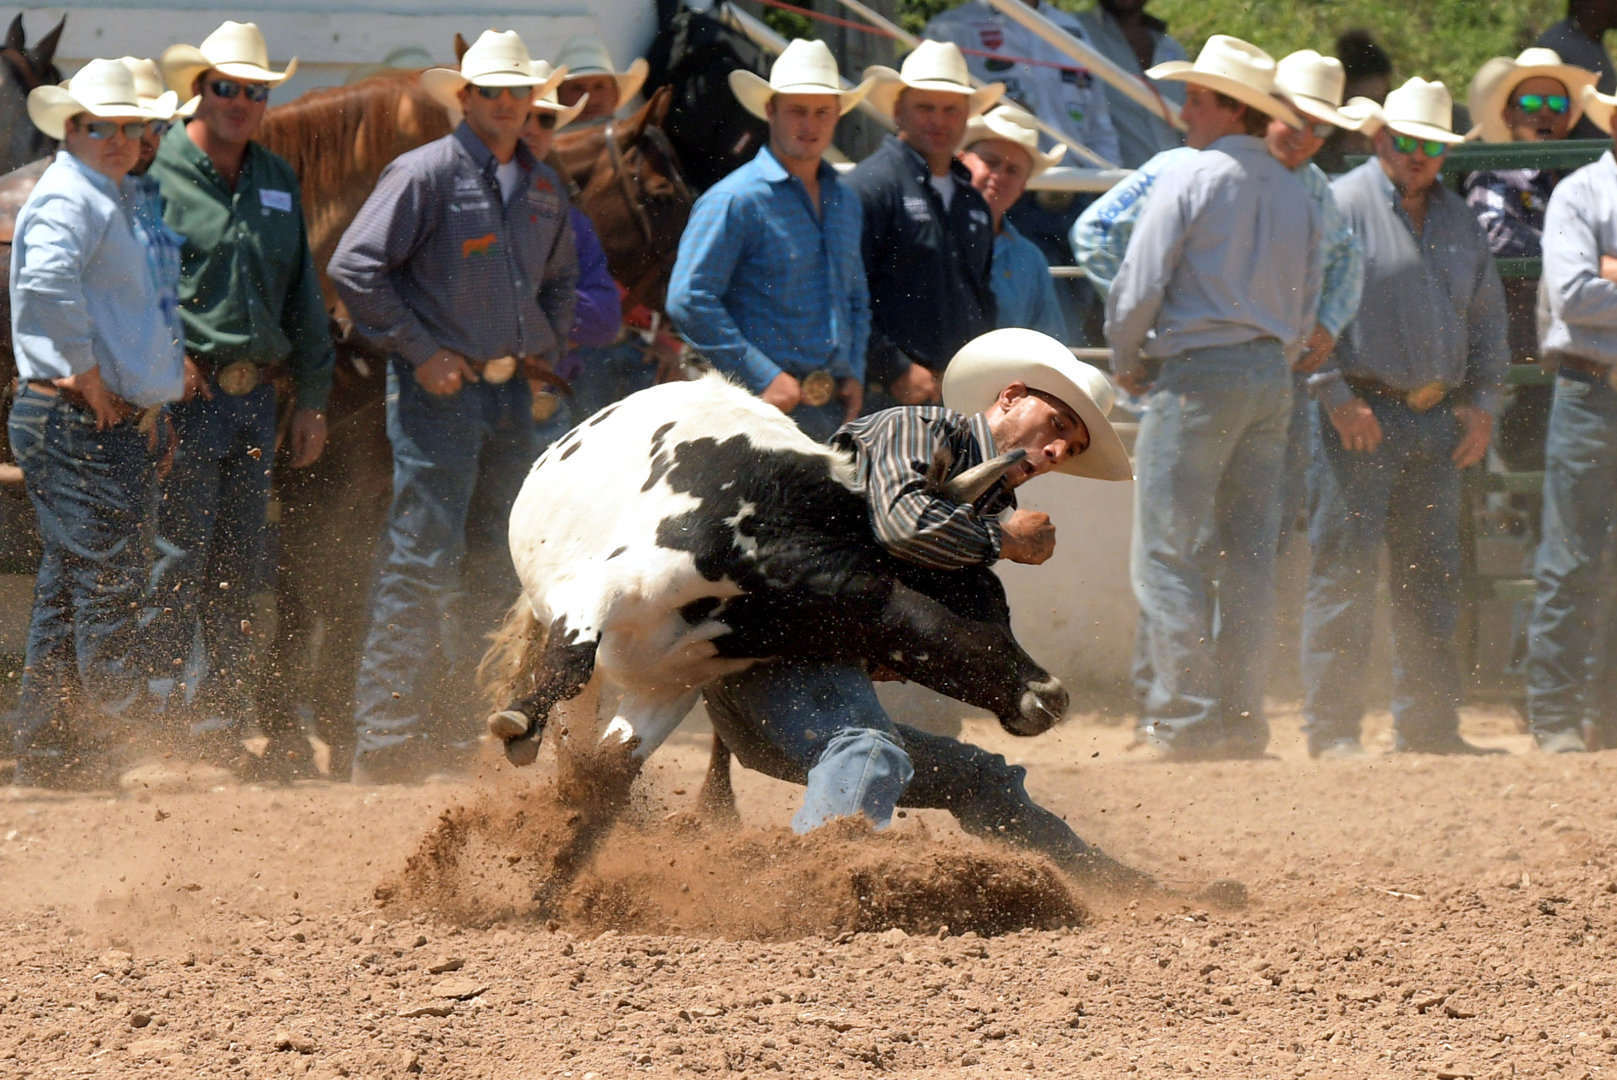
{"x":818,"y":387}
{"x":1423,"y":398}
{"x":545,"y":404}
{"x":500,"y":369}
{"x":239,"y":378}
{"x":1611,"y":377}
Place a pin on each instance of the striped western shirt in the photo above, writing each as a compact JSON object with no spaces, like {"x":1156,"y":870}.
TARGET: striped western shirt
{"x":892,"y":451}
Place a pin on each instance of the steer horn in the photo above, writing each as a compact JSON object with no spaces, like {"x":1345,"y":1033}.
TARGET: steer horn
{"x":969,"y":486}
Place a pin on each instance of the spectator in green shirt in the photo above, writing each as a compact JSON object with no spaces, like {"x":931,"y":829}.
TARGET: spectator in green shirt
{"x":253,"y":316}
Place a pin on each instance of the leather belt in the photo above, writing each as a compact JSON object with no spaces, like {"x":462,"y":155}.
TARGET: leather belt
{"x":123,"y":409}
{"x":1418,"y":400}
{"x":239,"y":378}
{"x":1579,"y":369}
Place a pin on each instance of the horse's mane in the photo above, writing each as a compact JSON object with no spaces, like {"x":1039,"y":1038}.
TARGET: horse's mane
{"x":331,"y":135}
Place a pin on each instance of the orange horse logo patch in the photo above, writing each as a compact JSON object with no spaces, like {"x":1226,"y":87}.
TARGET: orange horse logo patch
{"x":478,"y":245}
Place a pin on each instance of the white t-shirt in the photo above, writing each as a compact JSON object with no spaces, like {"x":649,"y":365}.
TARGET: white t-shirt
{"x":944,"y":186}
{"x":509,"y":175}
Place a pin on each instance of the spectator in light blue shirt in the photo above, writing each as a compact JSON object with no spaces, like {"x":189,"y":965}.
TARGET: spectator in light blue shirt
{"x":770,"y":280}
{"x":96,"y":355}
{"x":1002,"y":154}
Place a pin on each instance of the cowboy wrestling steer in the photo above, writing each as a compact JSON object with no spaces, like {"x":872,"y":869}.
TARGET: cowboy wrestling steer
{"x":735,"y":538}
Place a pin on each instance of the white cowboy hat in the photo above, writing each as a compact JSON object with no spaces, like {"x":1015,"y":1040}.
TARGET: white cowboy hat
{"x":1498,"y":78}
{"x":547,"y":100}
{"x":496,"y":58}
{"x":1314,"y":85}
{"x":587,"y":55}
{"x":803,"y":67}
{"x":1599,"y":107}
{"x":236,"y":50}
{"x":1011,"y":124}
{"x":101,"y":88}
{"x":987,"y":364}
{"x":149,"y":88}
{"x":1421,"y":110}
{"x":932,"y":65}
{"x":1234,"y":68}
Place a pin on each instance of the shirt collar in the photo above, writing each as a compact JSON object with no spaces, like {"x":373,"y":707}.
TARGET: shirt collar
{"x":180,"y":144}
{"x":1239,"y":144}
{"x":99,"y":180}
{"x":472,"y":145}
{"x":985,"y":437}
{"x":919,"y":168}
{"x":770,"y":168}
{"x":1384,"y":185}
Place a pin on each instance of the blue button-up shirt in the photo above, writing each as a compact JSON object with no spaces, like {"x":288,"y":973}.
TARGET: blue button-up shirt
{"x":1433,"y":308}
{"x":1579,"y":227}
{"x":1227,"y":250}
{"x":437,"y":258}
{"x":1100,"y":236}
{"x":163,"y":246}
{"x":83,"y":293}
{"x":1023,"y":287}
{"x":765,"y":284}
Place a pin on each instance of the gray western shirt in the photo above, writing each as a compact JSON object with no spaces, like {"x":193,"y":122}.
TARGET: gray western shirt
{"x":437,"y":259}
{"x":1433,"y":309}
{"x":1579,"y":227}
{"x":1228,"y":250}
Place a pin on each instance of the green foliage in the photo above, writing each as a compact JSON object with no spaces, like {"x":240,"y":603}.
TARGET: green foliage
{"x":1443,"y":39}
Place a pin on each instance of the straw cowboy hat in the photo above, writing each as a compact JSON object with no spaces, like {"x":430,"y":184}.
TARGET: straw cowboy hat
{"x":1599,"y":107}
{"x":933,"y":65}
{"x":586,"y":55}
{"x":1314,"y":85}
{"x":1498,"y":78}
{"x":987,"y":364}
{"x":1008,"y":123}
{"x":803,"y":67}
{"x":149,"y":88}
{"x":1234,"y":68}
{"x":236,"y":50}
{"x":101,"y":88}
{"x":547,"y":100}
{"x":496,"y":58}
{"x":1421,"y":110}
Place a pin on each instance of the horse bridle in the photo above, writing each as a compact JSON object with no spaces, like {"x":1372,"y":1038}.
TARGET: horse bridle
{"x":631,"y":185}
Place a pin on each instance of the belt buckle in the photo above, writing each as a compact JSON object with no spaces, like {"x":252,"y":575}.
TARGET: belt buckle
{"x":500,"y":369}
{"x":1425,"y":397}
{"x":545,"y":404}
{"x":239,"y":378}
{"x":817,"y":387}
{"x":1611,"y":377}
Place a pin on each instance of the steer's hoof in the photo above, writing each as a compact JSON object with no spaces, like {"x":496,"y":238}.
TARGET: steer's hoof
{"x":521,"y":752}
{"x":508,"y":724}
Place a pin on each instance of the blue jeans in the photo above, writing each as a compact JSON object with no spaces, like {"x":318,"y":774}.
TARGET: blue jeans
{"x":1208,"y":463}
{"x":1406,"y":496}
{"x":92,"y":493}
{"x":1572,"y":640}
{"x":444,"y":567}
{"x":211,"y":529}
{"x":819,"y":724}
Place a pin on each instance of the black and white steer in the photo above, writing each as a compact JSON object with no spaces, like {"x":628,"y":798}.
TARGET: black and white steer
{"x":690,"y":531}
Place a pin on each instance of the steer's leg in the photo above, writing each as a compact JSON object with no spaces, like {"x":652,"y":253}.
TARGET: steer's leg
{"x":717,"y":799}
{"x":564,"y":667}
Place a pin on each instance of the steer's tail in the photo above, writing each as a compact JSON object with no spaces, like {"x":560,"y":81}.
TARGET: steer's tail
{"x":505,"y":673}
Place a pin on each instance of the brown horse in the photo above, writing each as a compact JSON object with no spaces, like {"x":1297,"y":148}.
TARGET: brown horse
{"x":22,"y":69}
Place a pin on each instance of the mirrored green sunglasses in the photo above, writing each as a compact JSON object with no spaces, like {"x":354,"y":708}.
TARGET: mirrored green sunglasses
{"x":1432,"y":148}
{"x":1532,"y":103}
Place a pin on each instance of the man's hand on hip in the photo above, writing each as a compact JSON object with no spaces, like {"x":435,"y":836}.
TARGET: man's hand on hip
{"x":1316,"y":350}
{"x":917,"y":386}
{"x":1476,"y":431}
{"x":1027,"y":536}
{"x":1608,"y":268}
{"x":88,"y":385}
{"x":444,"y":373}
{"x":308,"y":437}
{"x":784,"y":392}
{"x":1357,"y":426}
{"x":194,"y":382}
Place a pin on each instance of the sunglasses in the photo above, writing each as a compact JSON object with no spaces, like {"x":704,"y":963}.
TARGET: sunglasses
{"x":1532,"y":103}
{"x":492,"y":93}
{"x":257,"y":93}
{"x":1321,"y":130}
{"x":543,"y":118}
{"x":106,"y":129}
{"x":1432,"y":148}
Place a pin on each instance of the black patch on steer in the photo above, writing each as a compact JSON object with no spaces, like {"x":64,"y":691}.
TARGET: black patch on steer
{"x":615,"y":553}
{"x":567,"y":453}
{"x":602,"y":415}
{"x":698,"y":610}
{"x":659,"y":435}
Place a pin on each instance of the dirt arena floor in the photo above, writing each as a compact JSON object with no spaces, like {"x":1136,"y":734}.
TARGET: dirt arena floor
{"x":1409,"y":917}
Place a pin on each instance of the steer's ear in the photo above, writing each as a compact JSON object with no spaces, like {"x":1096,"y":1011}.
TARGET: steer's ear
{"x":969,"y":486}
{"x":938,"y":472}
